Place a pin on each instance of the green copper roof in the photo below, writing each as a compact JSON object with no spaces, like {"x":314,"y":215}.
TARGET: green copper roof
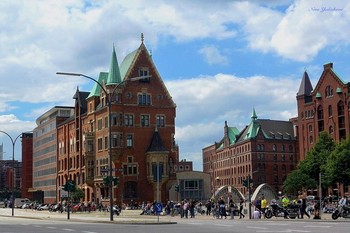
{"x":96,"y":89}
{"x":254,"y":126}
{"x":114,"y":73}
{"x":232,"y":133}
{"x":124,"y":67}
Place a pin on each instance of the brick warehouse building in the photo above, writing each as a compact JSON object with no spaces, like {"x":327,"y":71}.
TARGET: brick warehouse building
{"x":143,"y":130}
{"x":265,"y":150}
{"x":323,"y":108}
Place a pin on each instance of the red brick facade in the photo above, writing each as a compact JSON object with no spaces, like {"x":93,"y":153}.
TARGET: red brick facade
{"x":27,"y":165}
{"x":267,"y":154}
{"x":323,"y":108}
{"x":140,"y":109}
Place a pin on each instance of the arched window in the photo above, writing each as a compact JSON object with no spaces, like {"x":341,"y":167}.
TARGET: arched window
{"x":329,"y":91}
{"x":330,"y":112}
{"x":320,"y":119}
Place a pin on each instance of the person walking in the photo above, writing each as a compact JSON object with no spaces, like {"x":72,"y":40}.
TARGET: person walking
{"x":232,"y":208}
{"x":241,"y":208}
{"x":208,"y":205}
{"x":285,"y":203}
{"x":222,"y":208}
{"x":263,"y":205}
{"x":185,"y":208}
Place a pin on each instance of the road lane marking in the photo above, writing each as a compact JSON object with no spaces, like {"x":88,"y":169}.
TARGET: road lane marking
{"x":261,"y":228}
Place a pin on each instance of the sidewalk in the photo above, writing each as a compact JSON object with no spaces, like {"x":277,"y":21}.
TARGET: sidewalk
{"x":134,"y":217}
{"x":126,"y":216}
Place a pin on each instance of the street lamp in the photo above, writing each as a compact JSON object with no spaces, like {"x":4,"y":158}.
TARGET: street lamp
{"x":13,"y":141}
{"x":109,"y":100}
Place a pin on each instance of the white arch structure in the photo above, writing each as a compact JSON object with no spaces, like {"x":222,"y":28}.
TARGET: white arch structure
{"x":266,"y":190}
{"x":228,"y":192}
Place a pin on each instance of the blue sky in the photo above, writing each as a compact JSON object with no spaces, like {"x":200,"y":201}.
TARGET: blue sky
{"x":218,"y":59}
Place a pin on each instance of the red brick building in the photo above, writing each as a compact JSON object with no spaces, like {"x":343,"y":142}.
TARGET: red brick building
{"x":27,"y":165}
{"x":265,"y":150}
{"x":323,"y":108}
{"x":143,"y":129}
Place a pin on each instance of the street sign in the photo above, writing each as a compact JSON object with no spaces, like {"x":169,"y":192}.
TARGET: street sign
{"x":158,"y":207}
{"x":64,"y":193}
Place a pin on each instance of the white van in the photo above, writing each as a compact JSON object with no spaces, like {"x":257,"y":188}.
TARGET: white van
{"x":19,"y":202}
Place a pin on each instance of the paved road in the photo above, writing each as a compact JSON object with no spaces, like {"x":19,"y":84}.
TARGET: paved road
{"x":133,"y":222}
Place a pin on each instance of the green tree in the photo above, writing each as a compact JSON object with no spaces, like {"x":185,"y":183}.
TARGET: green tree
{"x":77,"y":194}
{"x":337,"y":169}
{"x":316,"y":159}
{"x":306,"y":175}
{"x":297,"y":181}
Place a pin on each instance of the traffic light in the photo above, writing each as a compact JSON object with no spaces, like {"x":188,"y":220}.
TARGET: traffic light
{"x":69,"y":186}
{"x":177,"y":188}
{"x":115,"y":181}
{"x":106,"y":180}
{"x":65,"y":187}
{"x":245,"y":183}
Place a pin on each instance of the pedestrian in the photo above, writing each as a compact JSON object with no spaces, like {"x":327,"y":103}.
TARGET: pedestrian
{"x":303,"y":208}
{"x":208,"y":205}
{"x":285,"y":203}
{"x":222,"y":208}
{"x":185,"y":208}
{"x":232,"y":208}
{"x":258,"y":203}
{"x":263,"y":205}
{"x":241,"y":208}
{"x":256,"y":214}
{"x":191,"y":208}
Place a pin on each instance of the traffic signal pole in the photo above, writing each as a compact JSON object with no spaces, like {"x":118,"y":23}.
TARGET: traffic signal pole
{"x":249,"y":198}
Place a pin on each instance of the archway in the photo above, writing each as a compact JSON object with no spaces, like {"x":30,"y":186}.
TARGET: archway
{"x":266,"y":190}
{"x":228,"y":192}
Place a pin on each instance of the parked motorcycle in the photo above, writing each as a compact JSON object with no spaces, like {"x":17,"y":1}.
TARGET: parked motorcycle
{"x":278,"y":211}
{"x":341,"y":211}
{"x":116,"y":210}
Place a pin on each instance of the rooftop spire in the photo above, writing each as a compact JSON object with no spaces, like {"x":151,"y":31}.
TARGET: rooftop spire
{"x":254,"y":116}
{"x":114,"y":72}
{"x":305,"y":85}
{"x":142,"y":38}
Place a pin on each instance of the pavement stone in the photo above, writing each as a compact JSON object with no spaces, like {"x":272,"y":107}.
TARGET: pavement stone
{"x":132,"y":217}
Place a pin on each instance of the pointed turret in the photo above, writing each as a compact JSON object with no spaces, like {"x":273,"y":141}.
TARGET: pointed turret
{"x":114,"y":72}
{"x":305,"y":86}
{"x":156,"y":143}
{"x":254,"y":116}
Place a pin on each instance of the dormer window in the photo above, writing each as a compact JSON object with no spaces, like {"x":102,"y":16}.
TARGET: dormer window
{"x":144,"y":72}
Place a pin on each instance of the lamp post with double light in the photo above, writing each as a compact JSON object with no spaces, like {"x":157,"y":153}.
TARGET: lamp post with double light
{"x":13,"y":141}
{"x":109,"y":102}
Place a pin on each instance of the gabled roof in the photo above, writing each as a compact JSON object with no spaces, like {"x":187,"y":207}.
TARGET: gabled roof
{"x":269,"y":129}
{"x":156,"y":143}
{"x":80,"y":97}
{"x":114,"y":73}
{"x":328,"y":67}
{"x":305,"y":85}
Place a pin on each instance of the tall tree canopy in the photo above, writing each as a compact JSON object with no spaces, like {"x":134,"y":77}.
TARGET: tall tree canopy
{"x":338,"y":165}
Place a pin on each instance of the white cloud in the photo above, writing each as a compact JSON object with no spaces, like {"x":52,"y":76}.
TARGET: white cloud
{"x":213,"y":55}
{"x":205,"y":103}
{"x":304,"y":31}
{"x":39,"y":38}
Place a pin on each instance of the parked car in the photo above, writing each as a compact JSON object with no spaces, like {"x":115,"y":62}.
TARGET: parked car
{"x":43,"y":207}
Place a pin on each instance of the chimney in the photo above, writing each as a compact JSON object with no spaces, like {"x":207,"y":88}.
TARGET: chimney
{"x":328,"y":66}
